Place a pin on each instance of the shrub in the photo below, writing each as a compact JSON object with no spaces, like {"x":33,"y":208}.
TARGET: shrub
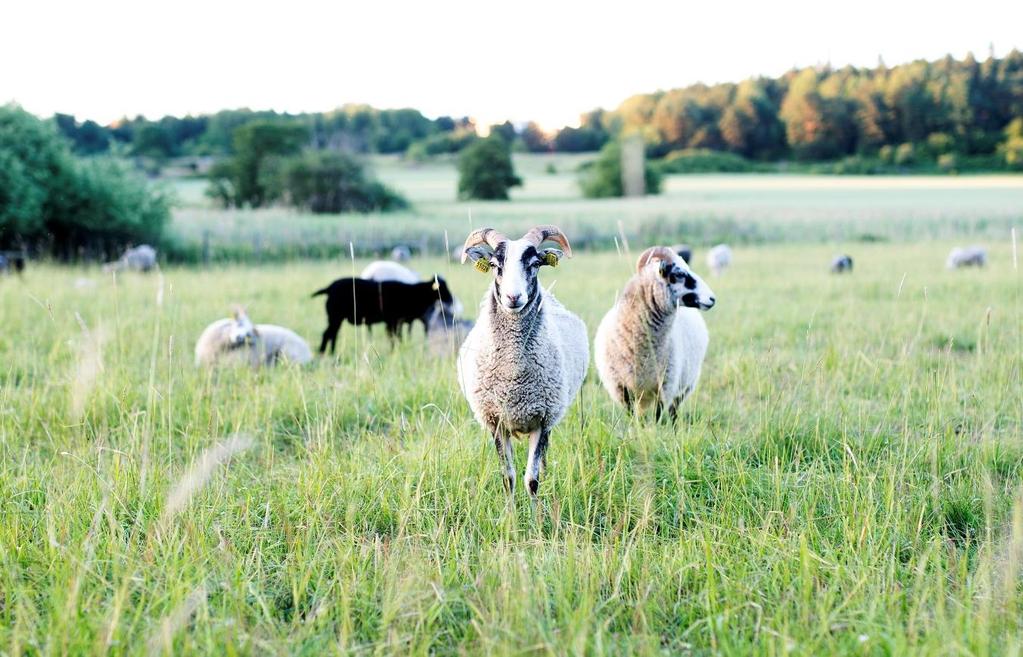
{"x":1012,"y":148}
{"x":243,"y":180}
{"x":50,"y":200}
{"x":947,"y":162}
{"x":485,"y":170}
{"x":440,"y":144}
{"x":603,"y":178}
{"x":905,"y":155}
{"x":332,"y":182}
{"x":702,"y":160}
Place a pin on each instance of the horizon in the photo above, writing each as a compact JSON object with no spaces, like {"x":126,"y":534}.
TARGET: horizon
{"x":286,"y":63}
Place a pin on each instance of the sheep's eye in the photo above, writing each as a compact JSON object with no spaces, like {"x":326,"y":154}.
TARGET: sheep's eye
{"x":535,"y":264}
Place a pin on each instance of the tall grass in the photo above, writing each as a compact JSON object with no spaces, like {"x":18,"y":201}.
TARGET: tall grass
{"x":847,"y":478}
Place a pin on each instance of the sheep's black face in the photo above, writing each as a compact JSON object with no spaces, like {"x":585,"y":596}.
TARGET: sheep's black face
{"x":242,"y":330}
{"x":515,"y":265}
{"x":684,"y":287}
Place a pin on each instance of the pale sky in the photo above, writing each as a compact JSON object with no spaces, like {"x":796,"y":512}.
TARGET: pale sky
{"x":548,"y":61}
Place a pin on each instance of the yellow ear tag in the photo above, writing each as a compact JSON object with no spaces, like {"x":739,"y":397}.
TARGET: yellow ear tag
{"x":436,"y":285}
{"x":551,"y":259}
{"x":482,"y":265}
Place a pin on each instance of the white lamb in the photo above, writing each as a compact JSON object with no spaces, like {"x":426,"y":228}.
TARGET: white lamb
{"x":386,"y":270}
{"x":524,"y":361}
{"x":237,"y":340}
{"x":141,"y":258}
{"x":719,"y":259}
{"x":650,"y":346}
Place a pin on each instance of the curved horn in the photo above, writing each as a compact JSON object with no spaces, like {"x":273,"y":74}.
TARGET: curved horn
{"x":489,"y":236}
{"x":654,"y":253}
{"x":548,"y":233}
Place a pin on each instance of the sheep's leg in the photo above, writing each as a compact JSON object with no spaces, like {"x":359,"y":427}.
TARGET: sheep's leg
{"x":330,"y":336}
{"x":537,"y":458}
{"x":506,"y":454}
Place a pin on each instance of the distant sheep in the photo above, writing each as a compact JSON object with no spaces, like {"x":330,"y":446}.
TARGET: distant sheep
{"x":684,"y":251}
{"x":401,"y":253}
{"x":385,"y":270}
{"x":12,"y":262}
{"x":358,"y":301}
{"x":237,"y":340}
{"x":445,"y":332}
{"x":971,"y":256}
{"x":719,"y":259}
{"x":842,"y":264}
{"x":142,"y":258}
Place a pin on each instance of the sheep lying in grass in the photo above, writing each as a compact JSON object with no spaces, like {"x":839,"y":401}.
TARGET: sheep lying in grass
{"x":719,"y":259}
{"x":524,"y":361}
{"x":971,"y":256}
{"x":650,"y":346}
{"x":141,"y":258}
{"x":842,"y":264}
{"x":401,"y":253}
{"x":237,"y":340}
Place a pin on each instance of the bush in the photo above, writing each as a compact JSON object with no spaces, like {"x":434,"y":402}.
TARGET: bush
{"x":905,"y":155}
{"x":1012,"y":148}
{"x":246,"y":178}
{"x":52,"y":201}
{"x":702,"y":160}
{"x":947,"y":162}
{"x":603,"y":179}
{"x":441,"y":144}
{"x":485,"y":170}
{"x":332,"y":182}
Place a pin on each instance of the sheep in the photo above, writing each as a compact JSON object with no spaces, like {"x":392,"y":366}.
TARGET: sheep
{"x":719,"y":259}
{"x":971,"y":256}
{"x":650,"y":346}
{"x":237,"y":339}
{"x":842,"y":264}
{"x":141,"y":258}
{"x":445,"y":332}
{"x":386,"y":270}
{"x":12,"y":261}
{"x":359,"y":301}
{"x":685,"y":252}
{"x":524,"y":361}
{"x":401,"y":253}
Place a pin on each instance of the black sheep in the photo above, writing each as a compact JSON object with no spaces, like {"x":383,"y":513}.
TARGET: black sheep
{"x":360,"y":301}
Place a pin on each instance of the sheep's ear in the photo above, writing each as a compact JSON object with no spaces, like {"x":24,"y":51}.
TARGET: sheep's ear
{"x":551,"y":257}
{"x":480,"y":257}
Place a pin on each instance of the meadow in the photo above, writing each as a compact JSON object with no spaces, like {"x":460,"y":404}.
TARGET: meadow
{"x":846,"y":479}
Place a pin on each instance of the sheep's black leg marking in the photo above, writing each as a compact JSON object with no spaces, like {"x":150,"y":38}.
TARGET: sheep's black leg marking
{"x":673,"y":410}
{"x":506,"y":454}
{"x":626,"y":400}
{"x":330,"y":335}
{"x":537,"y":456}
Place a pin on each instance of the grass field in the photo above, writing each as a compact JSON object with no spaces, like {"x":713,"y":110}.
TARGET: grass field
{"x":846,"y":480}
{"x":701,"y":209}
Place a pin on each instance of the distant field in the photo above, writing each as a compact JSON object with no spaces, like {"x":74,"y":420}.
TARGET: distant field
{"x":846,"y":480}
{"x":700,"y":209}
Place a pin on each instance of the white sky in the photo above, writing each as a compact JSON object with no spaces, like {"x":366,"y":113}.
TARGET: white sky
{"x":547,"y":61}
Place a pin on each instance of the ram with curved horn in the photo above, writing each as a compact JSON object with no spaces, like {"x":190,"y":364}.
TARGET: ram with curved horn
{"x":650,"y":346}
{"x":523,"y":362}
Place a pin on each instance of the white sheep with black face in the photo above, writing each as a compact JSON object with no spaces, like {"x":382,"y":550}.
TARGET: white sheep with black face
{"x":237,"y":340}
{"x":524,"y":360}
{"x":650,"y":346}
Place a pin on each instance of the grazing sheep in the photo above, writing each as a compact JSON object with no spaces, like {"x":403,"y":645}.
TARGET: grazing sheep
{"x":684,"y":251}
{"x":445,"y":332}
{"x":359,"y":301}
{"x":385,"y":270}
{"x":141,"y":258}
{"x":524,"y":361}
{"x":401,"y":253}
{"x":971,"y":256}
{"x":650,"y":346}
{"x":719,"y":259}
{"x":238,"y":340}
{"x":842,"y":264}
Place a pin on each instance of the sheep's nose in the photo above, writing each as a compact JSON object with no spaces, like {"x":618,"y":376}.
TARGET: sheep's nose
{"x":710,"y":301}
{"x":513,"y":300}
